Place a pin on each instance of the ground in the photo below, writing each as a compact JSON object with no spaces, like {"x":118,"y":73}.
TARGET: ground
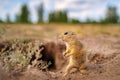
{"x":102,"y":43}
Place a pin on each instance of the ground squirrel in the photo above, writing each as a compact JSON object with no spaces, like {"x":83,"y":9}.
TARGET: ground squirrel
{"x":75,"y":52}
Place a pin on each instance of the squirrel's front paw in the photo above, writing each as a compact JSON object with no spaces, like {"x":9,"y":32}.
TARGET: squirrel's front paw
{"x":65,"y":54}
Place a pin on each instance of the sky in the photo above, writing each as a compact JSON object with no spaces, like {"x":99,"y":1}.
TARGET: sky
{"x":79,"y":9}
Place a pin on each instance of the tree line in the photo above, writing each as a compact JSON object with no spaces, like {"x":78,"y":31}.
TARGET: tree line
{"x":111,"y":16}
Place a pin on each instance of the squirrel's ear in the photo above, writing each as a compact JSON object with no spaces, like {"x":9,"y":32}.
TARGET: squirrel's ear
{"x":73,"y":34}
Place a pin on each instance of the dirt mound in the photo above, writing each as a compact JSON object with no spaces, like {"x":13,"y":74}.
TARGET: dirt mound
{"x":104,"y":61}
{"x":3,"y":74}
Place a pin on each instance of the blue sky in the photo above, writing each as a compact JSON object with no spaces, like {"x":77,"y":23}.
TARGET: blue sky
{"x":80,"y":9}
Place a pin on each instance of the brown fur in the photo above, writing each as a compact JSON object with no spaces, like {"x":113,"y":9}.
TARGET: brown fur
{"x":75,"y":52}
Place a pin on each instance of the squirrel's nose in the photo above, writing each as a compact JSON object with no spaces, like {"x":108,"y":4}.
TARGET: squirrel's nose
{"x":59,"y":37}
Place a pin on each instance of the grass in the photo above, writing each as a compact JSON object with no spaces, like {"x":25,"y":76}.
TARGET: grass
{"x":19,"y":55}
{"x":42,"y":31}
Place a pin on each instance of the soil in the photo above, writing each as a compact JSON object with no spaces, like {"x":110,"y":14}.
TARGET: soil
{"x":104,"y":63}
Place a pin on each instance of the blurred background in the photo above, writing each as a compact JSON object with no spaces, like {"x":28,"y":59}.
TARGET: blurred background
{"x":67,"y":11}
{"x":62,"y":13}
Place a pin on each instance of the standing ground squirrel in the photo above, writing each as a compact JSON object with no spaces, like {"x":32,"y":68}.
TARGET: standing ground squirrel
{"x":75,"y":52}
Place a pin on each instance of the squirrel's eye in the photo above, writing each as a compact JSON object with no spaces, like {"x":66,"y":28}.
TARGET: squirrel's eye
{"x":65,"y":33}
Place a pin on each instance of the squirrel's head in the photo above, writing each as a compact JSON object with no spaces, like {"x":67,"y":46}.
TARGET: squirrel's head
{"x":68,"y":36}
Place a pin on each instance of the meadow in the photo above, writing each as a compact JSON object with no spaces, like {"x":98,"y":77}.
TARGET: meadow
{"x":39,"y":31}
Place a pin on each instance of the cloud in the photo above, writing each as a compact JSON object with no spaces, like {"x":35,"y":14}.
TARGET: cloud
{"x":9,"y":7}
{"x":5,"y":8}
{"x":61,"y":4}
{"x":33,"y":5}
{"x":80,"y":9}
